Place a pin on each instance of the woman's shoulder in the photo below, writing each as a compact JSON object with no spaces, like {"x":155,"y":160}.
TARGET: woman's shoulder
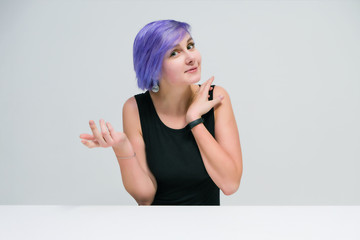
{"x":224,"y":108}
{"x":132,"y":102}
{"x":130,"y":107}
{"x":220,"y":91}
{"x":131,"y":118}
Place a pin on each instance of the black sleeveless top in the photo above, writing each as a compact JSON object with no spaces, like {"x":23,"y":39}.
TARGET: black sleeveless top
{"x":174,"y":159}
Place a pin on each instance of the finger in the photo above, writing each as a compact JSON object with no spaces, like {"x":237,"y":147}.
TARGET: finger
{"x":209,"y":82}
{"x":111,"y":130}
{"x":209,"y":87}
{"x":87,"y":136}
{"x":205,"y":87}
{"x":216,"y":101}
{"x":117,"y":137}
{"x":90,"y":144}
{"x":105,"y":133}
{"x":202,"y":86}
{"x":96,"y":133}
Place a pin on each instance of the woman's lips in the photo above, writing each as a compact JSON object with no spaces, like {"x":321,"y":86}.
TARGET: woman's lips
{"x":192,"y":70}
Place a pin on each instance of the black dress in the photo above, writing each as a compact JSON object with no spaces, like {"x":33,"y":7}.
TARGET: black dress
{"x":174,"y":159}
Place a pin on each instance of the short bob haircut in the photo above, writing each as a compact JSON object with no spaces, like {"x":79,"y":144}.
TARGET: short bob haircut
{"x":150,"y":46}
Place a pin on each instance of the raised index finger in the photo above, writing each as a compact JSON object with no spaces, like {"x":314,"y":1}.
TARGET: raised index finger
{"x":206,"y":86}
{"x":209,"y":81}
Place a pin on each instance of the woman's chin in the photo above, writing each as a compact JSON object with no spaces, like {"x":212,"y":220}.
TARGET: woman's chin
{"x":195,"y":79}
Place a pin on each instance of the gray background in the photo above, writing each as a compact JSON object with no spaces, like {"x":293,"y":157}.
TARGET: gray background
{"x":291,"y":69}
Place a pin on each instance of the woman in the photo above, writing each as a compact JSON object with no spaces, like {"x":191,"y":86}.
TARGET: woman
{"x":180,"y":143}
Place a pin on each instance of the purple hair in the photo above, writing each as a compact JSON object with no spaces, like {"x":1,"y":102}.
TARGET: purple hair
{"x":150,"y":46}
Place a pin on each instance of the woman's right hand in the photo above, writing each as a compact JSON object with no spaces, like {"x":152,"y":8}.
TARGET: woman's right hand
{"x":107,"y":138}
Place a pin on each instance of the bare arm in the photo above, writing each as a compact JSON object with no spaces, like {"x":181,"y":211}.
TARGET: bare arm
{"x":136,"y":176}
{"x":222,"y":156}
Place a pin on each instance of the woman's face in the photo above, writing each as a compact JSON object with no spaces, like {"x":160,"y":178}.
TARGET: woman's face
{"x":182,"y":64}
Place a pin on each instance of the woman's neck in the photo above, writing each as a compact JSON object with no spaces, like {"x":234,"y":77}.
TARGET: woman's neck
{"x":173,"y":101}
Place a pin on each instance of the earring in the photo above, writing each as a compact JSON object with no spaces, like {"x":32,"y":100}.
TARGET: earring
{"x":155,"y":88}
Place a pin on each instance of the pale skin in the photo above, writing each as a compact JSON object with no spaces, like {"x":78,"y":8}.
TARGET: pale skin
{"x":179,"y":101}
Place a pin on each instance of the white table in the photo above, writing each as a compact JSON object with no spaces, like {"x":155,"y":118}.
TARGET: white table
{"x":179,"y":222}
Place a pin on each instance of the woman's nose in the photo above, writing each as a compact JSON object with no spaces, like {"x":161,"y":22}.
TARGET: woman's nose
{"x":190,"y":58}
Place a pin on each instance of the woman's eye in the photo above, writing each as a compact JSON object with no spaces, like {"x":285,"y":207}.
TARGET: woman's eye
{"x":173,"y":53}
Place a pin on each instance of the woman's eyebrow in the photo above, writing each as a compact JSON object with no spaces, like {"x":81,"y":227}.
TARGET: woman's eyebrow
{"x":187,"y":41}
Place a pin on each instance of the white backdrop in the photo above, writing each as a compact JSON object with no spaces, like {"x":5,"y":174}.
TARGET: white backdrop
{"x":291,"y":69}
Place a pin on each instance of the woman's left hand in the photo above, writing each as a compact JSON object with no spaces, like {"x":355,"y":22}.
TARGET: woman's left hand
{"x":200,"y":103}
